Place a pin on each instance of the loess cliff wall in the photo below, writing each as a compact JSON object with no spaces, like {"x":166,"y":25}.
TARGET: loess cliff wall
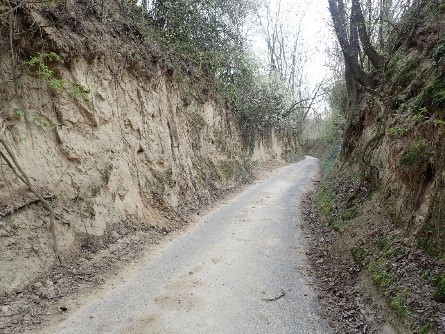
{"x":120,"y":146}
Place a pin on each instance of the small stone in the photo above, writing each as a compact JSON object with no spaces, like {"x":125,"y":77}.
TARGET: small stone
{"x":38,"y":285}
{"x":6,"y":311}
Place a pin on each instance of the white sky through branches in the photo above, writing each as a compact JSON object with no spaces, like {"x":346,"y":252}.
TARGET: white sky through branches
{"x":311,"y":19}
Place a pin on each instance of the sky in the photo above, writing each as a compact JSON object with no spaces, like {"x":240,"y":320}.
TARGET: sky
{"x":316,"y":32}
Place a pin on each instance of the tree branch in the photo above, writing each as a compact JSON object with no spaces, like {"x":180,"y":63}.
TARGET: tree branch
{"x":18,"y":170}
{"x":347,"y":50}
{"x":14,"y":8}
{"x":368,"y":48}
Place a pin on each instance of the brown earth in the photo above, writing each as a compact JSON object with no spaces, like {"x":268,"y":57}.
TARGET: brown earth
{"x":350,"y":262}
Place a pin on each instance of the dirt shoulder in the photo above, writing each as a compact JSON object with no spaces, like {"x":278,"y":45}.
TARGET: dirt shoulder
{"x":56,"y":292}
{"x":370,"y":277}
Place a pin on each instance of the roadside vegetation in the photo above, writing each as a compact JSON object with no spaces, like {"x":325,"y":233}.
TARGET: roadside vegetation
{"x":381,"y":190}
{"x":204,"y":42}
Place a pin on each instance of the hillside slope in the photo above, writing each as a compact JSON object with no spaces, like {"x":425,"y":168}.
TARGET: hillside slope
{"x":385,"y":200}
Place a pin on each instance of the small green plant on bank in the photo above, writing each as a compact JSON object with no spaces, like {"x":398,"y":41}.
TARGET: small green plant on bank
{"x":227,"y":169}
{"x":431,"y":249}
{"x":397,"y":132}
{"x":73,"y":88}
{"x":80,"y":92}
{"x":418,"y":151}
{"x":19,"y":113}
{"x":408,"y":72}
{"x":397,"y":303}
{"x":434,"y":94}
{"x":383,"y":243}
{"x":425,"y":329}
{"x":421,"y":114}
{"x":383,"y":279}
{"x":394,"y":62}
{"x":380,"y":276}
{"x":325,"y":199}
{"x":338,"y":225}
{"x":326,"y":196}
{"x":358,"y":254}
{"x":439,"y":293}
{"x":41,"y":122}
{"x":439,"y":121}
{"x":38,"y":61}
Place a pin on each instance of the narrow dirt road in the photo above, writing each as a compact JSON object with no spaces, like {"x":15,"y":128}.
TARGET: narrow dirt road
{"x":241,"y":269}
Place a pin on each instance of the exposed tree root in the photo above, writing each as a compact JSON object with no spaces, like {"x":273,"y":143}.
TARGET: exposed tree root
{"x":18,"y":170}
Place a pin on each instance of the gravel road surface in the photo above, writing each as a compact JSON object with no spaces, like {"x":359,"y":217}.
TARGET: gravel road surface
{"x":241,"y":269}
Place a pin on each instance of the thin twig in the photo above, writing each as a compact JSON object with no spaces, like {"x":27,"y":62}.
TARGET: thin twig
{"x":14,"y":8}
{"x":275,"y":298}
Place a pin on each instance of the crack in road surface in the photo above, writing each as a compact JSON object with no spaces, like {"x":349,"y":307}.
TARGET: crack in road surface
{"x":241,"y":269}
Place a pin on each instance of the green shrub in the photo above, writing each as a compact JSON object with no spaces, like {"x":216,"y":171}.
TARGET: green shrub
{"x":417,"y":152}
{"x":397,"y":132}
{"x":358,"y":254}
{"x":383,"y":279}
{"x":439,"y":293}
{"x":425,"y":329}
{"x":434,"y":94}
{"x":398,"y":305}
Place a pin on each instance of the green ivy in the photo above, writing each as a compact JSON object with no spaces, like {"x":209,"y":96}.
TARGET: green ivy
{"x":73,"y":88}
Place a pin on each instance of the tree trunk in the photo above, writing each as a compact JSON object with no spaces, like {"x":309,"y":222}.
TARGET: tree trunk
{"x":359,"y":20}
{"x":348,"y":50}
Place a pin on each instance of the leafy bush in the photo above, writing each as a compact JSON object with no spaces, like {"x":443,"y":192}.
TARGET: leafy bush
{"x":397,"y":132}
{"x":73,"y":88}
{"x":358,"y":254}
{"x":416,"y":152}
{"x":439,"y":293}
{"x":434,"y":94}
{"x":398,"y":305}
{"x":383,"y":279}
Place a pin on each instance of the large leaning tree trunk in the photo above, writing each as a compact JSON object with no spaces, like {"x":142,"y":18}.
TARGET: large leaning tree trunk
{"x":358,"y":51}
{"x":348,"y":42}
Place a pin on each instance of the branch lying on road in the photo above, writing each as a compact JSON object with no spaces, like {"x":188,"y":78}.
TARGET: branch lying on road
{"x":274,"y":299}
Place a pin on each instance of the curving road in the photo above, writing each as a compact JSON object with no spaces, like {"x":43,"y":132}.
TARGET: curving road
{"x":241,"y":269}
